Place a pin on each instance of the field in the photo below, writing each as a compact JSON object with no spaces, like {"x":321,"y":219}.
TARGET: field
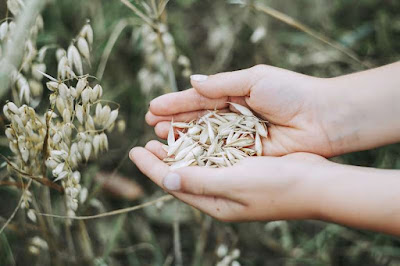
{"x":142,"y":49}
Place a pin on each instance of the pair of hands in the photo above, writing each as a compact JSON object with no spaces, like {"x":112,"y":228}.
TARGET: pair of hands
{"x":311,"y":119}
{"x":257,"y":188}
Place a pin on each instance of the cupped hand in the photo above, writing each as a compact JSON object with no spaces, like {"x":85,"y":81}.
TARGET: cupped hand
{"x":257,"y":188}
{"x":291,"y":102}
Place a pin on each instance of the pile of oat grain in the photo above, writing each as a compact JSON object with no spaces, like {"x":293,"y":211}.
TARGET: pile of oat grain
{"x":216,"y":139}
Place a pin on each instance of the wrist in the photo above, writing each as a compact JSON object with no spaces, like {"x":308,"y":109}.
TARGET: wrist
{"x":340,"y":115}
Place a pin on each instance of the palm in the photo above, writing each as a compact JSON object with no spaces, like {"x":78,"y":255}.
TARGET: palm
{"x":286,"y":99}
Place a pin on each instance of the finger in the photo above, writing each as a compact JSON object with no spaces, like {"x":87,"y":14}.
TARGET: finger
{"x":203,"y":181}
{"x":236,"y":83}
{"x":162,"y":128}
{"x":184,"y":101}
{"x":149,"y":164}
{"x":156,"y":148}
{"x":219,"y":208}
{"x":153,"y":119}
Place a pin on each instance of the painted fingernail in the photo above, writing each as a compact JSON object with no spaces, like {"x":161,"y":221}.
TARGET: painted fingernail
{"x":199,"y":77}
{"x":172,"y":181}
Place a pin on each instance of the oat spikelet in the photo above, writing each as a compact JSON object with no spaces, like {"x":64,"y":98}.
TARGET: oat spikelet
{"x":216,"y":139}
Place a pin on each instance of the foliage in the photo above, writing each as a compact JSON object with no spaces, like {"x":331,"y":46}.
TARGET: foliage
{"x":136,"y":61}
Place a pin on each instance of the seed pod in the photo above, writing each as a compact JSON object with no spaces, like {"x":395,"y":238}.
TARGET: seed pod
{"x":96,"y":144}
{"x":56,"y":138}
{"x":61,"y":176}
{"x":79,"y":113}
{"x":104,"y":141}
{"x":84,"y":48}
{"x":86,"y":95}
{"x":87,"y":32}
{"x":87,"y":150}
{"x":63,"y":91}
{"x":82,"y":83}
{"x":74,"y":59}
{"x":105,"y":114}
{"x":13,"y":108}
{"x":113,"y":117}
{"x":171,"y":135}
{"x":50,"y":163}
{"x":52,"y":85}
{"x":96,"y":92}
{"x":73,"y":92}
{"x":3,"y":30}
{"x":243,"y":110}
{"x":31,"y":215}
{"x":60,"y":53}
{"x":89,"y":123}
{"x":181,"y":164}
{"x":58,"y":169}
{"x":76,"y":177}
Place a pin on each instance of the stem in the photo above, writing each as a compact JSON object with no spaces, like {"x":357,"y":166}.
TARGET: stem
{"x":111,"y":213}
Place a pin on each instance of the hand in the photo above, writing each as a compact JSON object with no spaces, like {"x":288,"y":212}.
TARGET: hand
{"x":290,"y":101}
{"x":257,"y":188}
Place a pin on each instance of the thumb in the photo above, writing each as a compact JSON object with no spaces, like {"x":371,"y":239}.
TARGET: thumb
{"x":235,"y":83}
{"x":197,"y":180}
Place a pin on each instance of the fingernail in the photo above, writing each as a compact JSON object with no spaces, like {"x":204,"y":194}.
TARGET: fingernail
{"x":131,"y":154}
{"x":172,"y":182}
{"x":199,"y":77}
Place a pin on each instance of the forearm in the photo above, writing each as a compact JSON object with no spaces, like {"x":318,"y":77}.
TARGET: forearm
{"x":359,"y":197}
{"x":362,"y":110}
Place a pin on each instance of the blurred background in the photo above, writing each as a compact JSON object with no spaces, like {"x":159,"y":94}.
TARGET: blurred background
{"x":136,"y":63}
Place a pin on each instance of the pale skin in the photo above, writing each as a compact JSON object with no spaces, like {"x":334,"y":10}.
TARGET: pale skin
{"x":311,"y":119}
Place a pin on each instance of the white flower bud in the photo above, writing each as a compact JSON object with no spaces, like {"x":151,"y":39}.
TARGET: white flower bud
{"x":61,"y":176}
{"x":104,"y":114}
{"x":50,"y":163}
{"x":89,"y":123}
{"x":60,"y":53}
{"x":13,"y":108}
{"x":87,"y":150}
{"x":63,"y":91}
{"x":87,"y":32}
{"x":74,"y":59}
{"x":112,"y":118}
{"x":104,"y":141}
{"x":58,"y":169}
{"x":59,"y":154}
{"x":25,"y":154}
{"x":96,"y":92}
{"x":60,"y":104}
{"x":86,"y":95}
{"x":31,"y":215}
{"x":84,"y":48}
{"x":98,"y":111}
{"x":56,"y":138}
{"x":96,"y":144}
{"x":67,"y":129}
{"x":66,"y":116}
{"x":73,"y":204}
{"x":9,"y":133}
{"x":79,"y":113}
{"x":52,"y":85}
{"x":74,"y":94}
{"x":83,"y":195}
{"x":82,"y":82}
{"x":76,"y":177}
{"x":3,"y":30}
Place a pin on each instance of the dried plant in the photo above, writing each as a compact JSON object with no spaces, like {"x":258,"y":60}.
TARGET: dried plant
{"x":216,"y":139}
{"x":71,"y":132}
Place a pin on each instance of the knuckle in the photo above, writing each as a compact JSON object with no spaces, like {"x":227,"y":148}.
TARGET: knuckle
{"x":259,"y":69}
